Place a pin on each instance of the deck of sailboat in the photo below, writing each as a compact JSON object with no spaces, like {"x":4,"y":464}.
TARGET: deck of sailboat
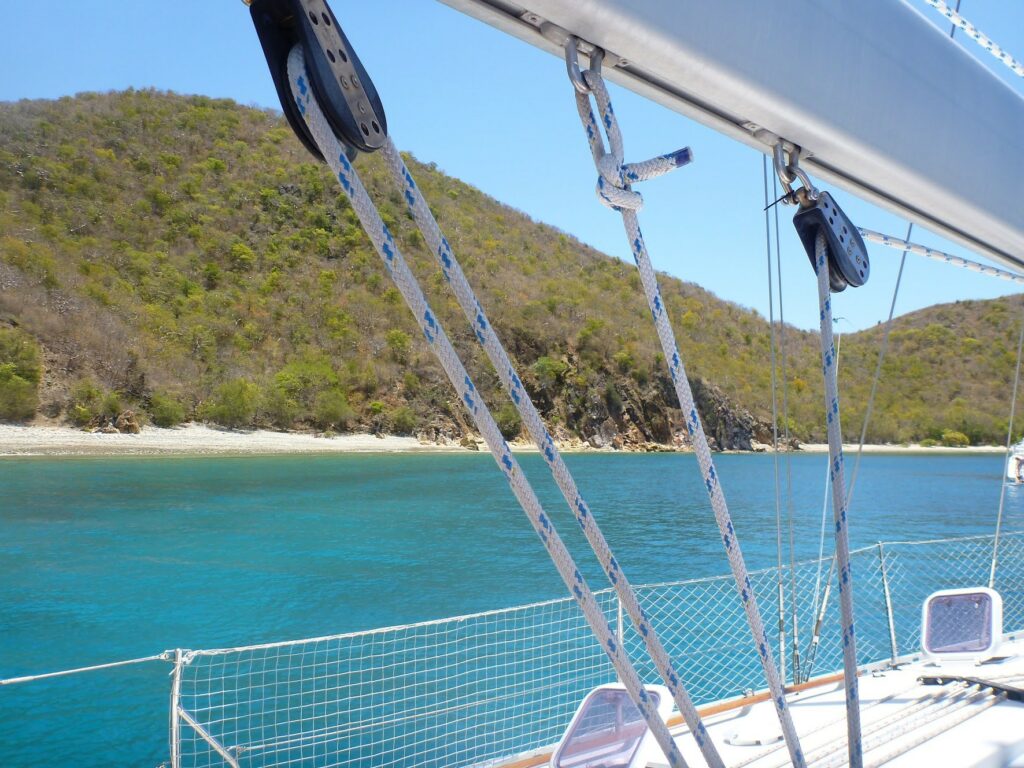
{"x":957,"y":724}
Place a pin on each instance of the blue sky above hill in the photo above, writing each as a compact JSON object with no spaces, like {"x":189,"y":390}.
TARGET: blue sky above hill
{"x":500,"y":115}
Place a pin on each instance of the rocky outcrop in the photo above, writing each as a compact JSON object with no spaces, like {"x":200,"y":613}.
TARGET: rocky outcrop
{"x":623,"y":414}
{"x":729,"y":427}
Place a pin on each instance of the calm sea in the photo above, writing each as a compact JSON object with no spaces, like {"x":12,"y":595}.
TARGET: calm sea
{"x":105,"y":559}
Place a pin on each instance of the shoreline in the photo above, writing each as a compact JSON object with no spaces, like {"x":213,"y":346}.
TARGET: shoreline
{"x":201,"y":440}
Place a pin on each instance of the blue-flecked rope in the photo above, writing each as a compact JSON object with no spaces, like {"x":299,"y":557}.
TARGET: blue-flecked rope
{"x":488,"y":339}
{"x":839,"y":501}
{"x":613,"y":189}
{"x":978,"y":36}
{"x":439,"y":343}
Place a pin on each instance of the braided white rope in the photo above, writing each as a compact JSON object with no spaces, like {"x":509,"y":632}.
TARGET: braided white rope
{"x":977,"y":36}
{"x":835,"y":456}
{"x":439,"y":343}
{"x":613,"y":190}
{"x":535,"y":426}
{"x":946,"y":258}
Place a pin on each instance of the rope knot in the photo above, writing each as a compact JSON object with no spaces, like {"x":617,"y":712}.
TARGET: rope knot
{"x":615,"y":176}
{"x":612,"y":188}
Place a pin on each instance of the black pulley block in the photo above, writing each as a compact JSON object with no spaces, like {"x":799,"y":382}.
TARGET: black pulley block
{"x":340,"y":83}
{"x":847,"y":255}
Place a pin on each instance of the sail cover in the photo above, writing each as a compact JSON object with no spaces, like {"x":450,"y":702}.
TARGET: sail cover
{"x":883,"y":103}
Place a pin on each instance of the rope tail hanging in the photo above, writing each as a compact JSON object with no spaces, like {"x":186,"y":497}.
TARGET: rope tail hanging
{"x":613,"y":189}
{"x":488,"y":339}
{"x":397,"y":268}
{"x":835,"y":450}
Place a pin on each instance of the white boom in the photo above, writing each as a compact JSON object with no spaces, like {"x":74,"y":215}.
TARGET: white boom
{"x":882,"y":102}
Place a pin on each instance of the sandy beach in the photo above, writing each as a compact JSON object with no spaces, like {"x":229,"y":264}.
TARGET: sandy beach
{"x":849,"y":448}
{"x":194,"y":439}
{"x":199,"y":439}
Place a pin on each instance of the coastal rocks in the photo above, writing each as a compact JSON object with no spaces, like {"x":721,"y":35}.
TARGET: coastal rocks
{"x":127,"y":422}
{"x":728,"y":426}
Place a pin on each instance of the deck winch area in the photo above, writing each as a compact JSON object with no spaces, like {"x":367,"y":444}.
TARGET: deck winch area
{"x":906,"y":721}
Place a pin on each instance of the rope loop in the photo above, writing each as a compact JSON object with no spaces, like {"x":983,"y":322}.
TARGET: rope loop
{"x":614,"y":176}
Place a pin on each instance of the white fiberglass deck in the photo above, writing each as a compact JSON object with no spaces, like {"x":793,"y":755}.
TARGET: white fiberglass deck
{"x":906,"y":723}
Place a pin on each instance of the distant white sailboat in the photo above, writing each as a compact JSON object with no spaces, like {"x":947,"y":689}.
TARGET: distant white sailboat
{"x":1015,"y":464}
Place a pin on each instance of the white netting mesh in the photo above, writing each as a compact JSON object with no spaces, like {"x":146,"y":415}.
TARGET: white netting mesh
{"x":477,"y":689}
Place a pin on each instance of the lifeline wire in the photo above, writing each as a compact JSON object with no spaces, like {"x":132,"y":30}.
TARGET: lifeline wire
{"x":835,"y":452}
{"x":488,"y":339}
{"x":1009,"y":443}
{"x":613,"y":189}
{"x":439,"y":343}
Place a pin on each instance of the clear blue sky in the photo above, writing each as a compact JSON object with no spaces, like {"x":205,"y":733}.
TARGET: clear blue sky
{"x":499,"y":114}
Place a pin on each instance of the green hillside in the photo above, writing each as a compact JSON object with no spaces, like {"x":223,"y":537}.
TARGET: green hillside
{"x":184,"y":257}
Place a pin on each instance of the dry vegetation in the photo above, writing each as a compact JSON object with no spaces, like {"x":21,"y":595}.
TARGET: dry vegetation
{"x":184,"y":257}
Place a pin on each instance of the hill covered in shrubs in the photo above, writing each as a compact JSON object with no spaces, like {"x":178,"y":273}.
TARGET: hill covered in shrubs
{"x":184,"y":258}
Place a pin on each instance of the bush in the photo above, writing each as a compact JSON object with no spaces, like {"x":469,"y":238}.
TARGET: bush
{"x":331,"y":409}
{"x":954,"y":439}
{"x":403,"y":420}
{"x":398,"y":344}
{"x":18,"y":398}
{"x":165,"y":410}
{"x":508,"y":421}
{"x":549,"y":372}
{"x":278,"y":407}
{"x":89,"y":401}
{"x":233,"y":404}
{"x":20,"y":374}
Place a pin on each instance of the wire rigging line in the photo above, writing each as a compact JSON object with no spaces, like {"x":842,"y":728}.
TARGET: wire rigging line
{"x":775,"y":427}
{"x":878,"y":372}
{"x":952,"y":28}
{"x":1009,"y":444}
{"x":977,"y":36}
{"x":794,"y":617}
{"x":409,"y":287}
{"x":614,"y":190}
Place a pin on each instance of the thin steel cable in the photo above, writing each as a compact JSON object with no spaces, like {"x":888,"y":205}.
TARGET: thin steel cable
{"x":488,"y":339}
{"x":775,"y":427}
{"x":878,"y":372}
{"x":165,"y":656}
{"x":978,"y":36}
{"x":1009,"y":445}
{"x":408,"y":286}
{"x":835,"y":451}
{"x":952,"y":28}
{"x":794,"y":607}
{"x":613,"y":189}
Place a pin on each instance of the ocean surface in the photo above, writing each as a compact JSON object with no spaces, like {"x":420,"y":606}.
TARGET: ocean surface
{"x":104,"y":559}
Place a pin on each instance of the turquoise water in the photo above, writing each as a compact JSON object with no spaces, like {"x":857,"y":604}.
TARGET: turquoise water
{"x":103,"y":559}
